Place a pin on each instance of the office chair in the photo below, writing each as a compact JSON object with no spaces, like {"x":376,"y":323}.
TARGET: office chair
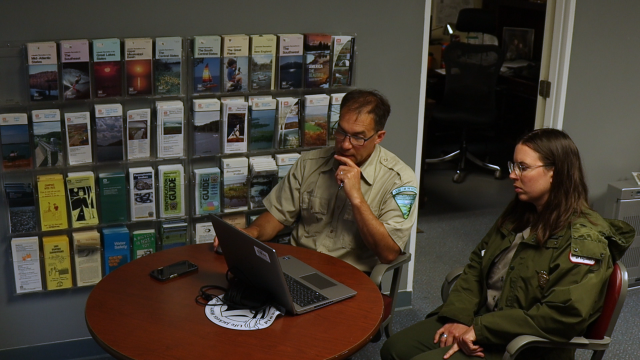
{"x":469,"y":103}
{"x":598,"y":334}
{"x":389,"y":299}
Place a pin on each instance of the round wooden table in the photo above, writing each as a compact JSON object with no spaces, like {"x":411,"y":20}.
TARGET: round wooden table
{"x":133,"y":316}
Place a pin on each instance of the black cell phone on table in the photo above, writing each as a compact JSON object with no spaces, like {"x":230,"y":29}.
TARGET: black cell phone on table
{"x":173,"y":270}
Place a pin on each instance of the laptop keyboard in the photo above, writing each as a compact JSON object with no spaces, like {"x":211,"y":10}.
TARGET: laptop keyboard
{"x":301,"y":293}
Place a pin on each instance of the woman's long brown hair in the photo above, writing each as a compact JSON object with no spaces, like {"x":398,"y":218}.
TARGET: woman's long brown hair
{"x":568,"y":194}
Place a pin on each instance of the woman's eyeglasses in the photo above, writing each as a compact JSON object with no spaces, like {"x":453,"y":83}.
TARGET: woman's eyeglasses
{"x":520,"y":168}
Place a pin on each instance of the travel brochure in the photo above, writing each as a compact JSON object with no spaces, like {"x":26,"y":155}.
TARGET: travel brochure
{"x":103,"y":68}
{"x":76,"y":79}
{"x":77,"y":70}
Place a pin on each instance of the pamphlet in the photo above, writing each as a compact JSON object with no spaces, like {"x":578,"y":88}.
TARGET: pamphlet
{"x":53,"y":202}
{"x":138,"y":58}
{"x":263,"y":64}
{"x":138,"y":135}
{"x":47,"y":138}
{"x":235,"y":50}
{"x":26,"y":264}
{"x":142,"y":193}
{"x":168,"y":65}
{"x":57,"y":262}
{"x":206,"y":64}
{"x":316,"y":120}
{"x":207,"y":190}
{"x":79,"y":137}
{"x":14,"y":136}
{"x":88,"y":257}
{"x":43,"y":71}
{"x":107,"y":68}
{"x":109,"y":133}
{"x":172,"y":190}
{"x":343,"y":49}
{"x":170,"y":121}
{"x":82,"y":198}
{"x":76,"y":82}
{"x":288,"y":123}
{"x":235,"y":126}
{"x":291,"y":62}
{"x":317,"y":54}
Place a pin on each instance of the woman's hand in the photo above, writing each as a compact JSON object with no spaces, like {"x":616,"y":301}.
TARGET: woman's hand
{"x":466,"y":343}
{"x":449,"y":334}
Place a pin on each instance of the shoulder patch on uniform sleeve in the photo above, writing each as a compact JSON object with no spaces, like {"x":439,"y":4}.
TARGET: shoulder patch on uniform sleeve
{"x":576,"y":259}
{"x":405,"y":197}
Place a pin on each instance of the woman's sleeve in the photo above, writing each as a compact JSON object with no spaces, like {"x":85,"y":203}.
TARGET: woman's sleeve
{"x":572,"y":298}
{"x":465,"y":296}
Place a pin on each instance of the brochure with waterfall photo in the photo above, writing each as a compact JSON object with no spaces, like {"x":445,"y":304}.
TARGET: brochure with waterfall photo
{"x":138,"y":134}
{"x":79,"y":137}
{"x":288,"y":123}
{"x":109,"y":133}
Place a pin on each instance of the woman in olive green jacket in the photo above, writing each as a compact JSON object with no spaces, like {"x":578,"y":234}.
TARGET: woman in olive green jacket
{"x":541,"y":270}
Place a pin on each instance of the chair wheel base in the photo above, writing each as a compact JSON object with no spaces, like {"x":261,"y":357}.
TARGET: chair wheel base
{"x":458,"y":178}
{"x":497,"y":174}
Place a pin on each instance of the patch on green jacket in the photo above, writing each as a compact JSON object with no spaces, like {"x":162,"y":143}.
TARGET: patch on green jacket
{"x":405,"y":197}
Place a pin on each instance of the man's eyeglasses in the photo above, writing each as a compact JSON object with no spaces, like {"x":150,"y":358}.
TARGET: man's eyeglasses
{"x":519,"y":168}
{"x":354,"y":140}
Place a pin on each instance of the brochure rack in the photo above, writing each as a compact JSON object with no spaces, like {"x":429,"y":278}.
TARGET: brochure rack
{"x":148,"y":121}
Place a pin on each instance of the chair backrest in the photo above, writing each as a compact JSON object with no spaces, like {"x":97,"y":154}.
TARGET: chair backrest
{"x":476,"y":20}
{"x":471,"y":75}
{"x":614,"y":299}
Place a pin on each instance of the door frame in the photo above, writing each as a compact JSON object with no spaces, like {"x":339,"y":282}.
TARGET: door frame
{"x":559,"y":64}
{"x":558,"y":74}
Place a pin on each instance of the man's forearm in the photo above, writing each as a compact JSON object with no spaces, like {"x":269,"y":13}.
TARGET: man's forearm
{"x":265,"y":227}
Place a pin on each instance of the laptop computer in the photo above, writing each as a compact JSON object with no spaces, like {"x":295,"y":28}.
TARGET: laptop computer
{"x":298,"y":287}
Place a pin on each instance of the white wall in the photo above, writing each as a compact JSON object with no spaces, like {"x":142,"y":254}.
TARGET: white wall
{"x":603,"y":93}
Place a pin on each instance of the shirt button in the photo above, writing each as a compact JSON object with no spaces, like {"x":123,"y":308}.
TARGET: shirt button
{"x":331,"y":231}
{"x":511,"y":267}
{"x":501,"y":278}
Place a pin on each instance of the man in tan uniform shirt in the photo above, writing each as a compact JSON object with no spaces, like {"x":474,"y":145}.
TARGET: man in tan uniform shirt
{"x":353,"y":201}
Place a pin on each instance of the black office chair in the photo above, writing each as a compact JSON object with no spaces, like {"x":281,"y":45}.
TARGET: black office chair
{"x":469,"y":102}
